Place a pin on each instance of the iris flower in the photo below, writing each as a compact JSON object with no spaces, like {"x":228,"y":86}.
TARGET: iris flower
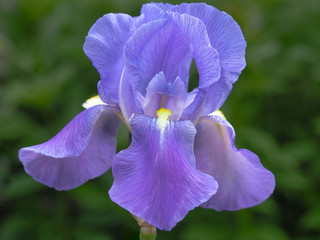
{"x":182,"y":153}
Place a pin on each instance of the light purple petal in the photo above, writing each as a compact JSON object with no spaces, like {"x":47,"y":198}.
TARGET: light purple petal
{"x":155,"y":178}
{"x":104,"y":46}
{"x":129,"y":100}
{"x":168,"y":95}
{"x":163,"y":6}
{"x":157,"y":47}
{"x":217,"y":93}
{"x":206,"y":57}
{"x":154,"y":11}
{"x":83,"y":150}
{"x":243,"y":181}
{"x":227,"y":38}
{"x":195,"y":104}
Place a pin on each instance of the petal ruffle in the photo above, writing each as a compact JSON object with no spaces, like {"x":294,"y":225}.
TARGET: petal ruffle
{"x":205,"y":56}
{"x":82,"y":150}
{"x":243,"y":181}
{"x":227,"y":38}
{"x":155,"y":178}
{"x":154,"y":11}
{"x":104,"y":46}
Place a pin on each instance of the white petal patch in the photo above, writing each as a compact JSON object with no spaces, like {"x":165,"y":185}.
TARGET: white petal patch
{"x":91,"y":102}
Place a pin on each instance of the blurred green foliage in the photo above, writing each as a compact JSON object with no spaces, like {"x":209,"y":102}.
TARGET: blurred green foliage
{"x":274,"y":107}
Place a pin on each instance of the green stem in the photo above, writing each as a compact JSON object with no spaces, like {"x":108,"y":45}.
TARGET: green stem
{"x":147,"y":231}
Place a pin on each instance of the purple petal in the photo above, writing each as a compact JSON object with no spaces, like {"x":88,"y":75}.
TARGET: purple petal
{"x":83,"y":150}
{"x":155,"y":178}
{"x":206,"y":57}
{"x":154,"y":11}
{"x":129,"y":100}
{"x":243,"y":181}
{"x":217,"y":93}
{"x":157,"y":47}
{"x":195,"y":104}
{"x":163,"y":6}
{"x":104,"y":46}
{"x":225,"y":36}
{"x":168,"y":95}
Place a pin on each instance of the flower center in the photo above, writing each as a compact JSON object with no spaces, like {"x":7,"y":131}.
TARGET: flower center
{"x":163,"y":115}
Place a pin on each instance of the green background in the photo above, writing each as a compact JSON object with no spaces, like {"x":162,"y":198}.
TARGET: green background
{"x":274,"y":108}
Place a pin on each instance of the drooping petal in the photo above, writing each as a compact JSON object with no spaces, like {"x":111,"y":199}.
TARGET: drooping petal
{"x":243,"y":181}
{"x":168,"y":95}
{"x":155,"y":178}
{"x":83,"y":150}
{"x":104,"y":46}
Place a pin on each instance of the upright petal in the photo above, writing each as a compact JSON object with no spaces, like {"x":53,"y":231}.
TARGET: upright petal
{"x":154,"y":11}
{"x":226,"y":37}
{"x":83,"y":150}
{"x":205,"y":56}
{"x":157,"y":47}
{"x":243,"y":181}
{"x":104,"y":46}
{"x":155,"y":178}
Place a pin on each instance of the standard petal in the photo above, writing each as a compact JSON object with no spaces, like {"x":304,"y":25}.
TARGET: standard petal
{"x":155,"y":178}
{"x":243,"y":181}
{"x":157,"y":47}
{"x":205,"y":56}
{"x":226,"y":37}
{"x":83,"y":150}
{"x":154,"y":11}
{"x":104,"y":46}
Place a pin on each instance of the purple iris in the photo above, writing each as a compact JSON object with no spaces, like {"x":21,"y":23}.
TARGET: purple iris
{"x":182,"y":153}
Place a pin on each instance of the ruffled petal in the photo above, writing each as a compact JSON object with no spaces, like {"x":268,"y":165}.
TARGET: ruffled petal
{"x":243,"y":181}
{"x":155,"y":178}
{"x":226,"y":37}
{"x":83,"y":150}
{"x":154,"y":11}
{"x":205,"y":56}
{"x":156,"y":47}
{"x":104,"y":46}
